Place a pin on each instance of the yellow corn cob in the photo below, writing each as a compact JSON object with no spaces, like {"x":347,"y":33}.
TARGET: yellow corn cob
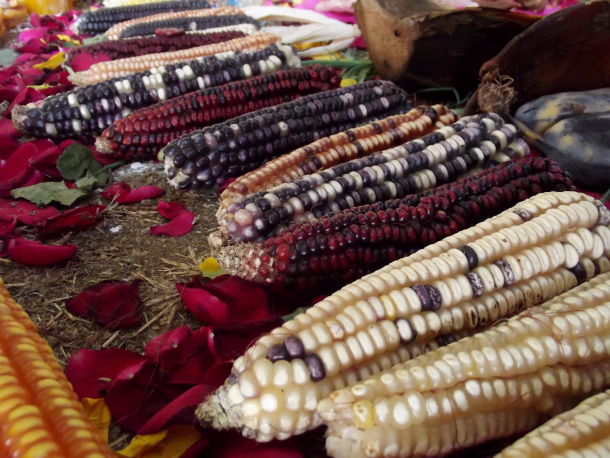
{"x":580,"y":432}
{"x":494,"y":384}
{"x":540,"y":248}
{"x":39,"y":412}
{"x":123,"y":67}
{"x":113,"y":32}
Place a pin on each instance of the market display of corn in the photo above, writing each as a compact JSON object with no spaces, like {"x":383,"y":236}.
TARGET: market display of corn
{"x":459,"y":263}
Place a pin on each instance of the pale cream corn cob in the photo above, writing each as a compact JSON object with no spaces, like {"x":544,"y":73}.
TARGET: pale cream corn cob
{"x":494,"y":384}
{"x":540,"y":248}
{"x":583,"y":431}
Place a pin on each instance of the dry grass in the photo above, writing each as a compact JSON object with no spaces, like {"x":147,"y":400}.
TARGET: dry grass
{"x":129,"y":254}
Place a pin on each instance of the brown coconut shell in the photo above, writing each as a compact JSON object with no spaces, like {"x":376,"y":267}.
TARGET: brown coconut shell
{"x":422,"y":43}
{"x":566,"y":51}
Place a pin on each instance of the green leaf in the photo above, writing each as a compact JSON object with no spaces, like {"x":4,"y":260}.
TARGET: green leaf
{"x":74,"y":161}
{"x":295,"y":313}
{"x":45,"y":193}
{"x":88,"y":182}
{"x":7,"y":57}
{"x":93,"y":40}
{"x":67,"y":44}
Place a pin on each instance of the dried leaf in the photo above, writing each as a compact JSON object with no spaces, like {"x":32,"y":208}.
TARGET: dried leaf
{"x":45,"y":193}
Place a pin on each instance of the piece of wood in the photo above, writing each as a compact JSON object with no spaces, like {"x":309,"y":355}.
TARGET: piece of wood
{"x":566,"y":51}
{"x":422,"y":43}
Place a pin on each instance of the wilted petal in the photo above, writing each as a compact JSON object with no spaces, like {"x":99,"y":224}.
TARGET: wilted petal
{"x":32,"y":253}
{"x":74,"y":218}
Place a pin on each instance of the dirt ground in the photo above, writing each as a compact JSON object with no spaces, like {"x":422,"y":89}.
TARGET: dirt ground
{"x":118,"y":247}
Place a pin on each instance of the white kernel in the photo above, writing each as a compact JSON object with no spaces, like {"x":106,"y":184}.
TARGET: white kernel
{"x":200,"y":82}
{"x":84,"y":112}
{"x":262,"y":66}
{"x":161,"y":93}
{"x":76,"y":126}
{"x":180,"y":74}
{"x":72,"y":100}
{"x":50,"y":129}
{"x":188,"y":72}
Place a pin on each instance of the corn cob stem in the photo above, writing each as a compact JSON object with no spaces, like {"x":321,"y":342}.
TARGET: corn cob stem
{"x":326,"y":152}
{"x":345,"y":245}
{"x":114,"y":32}
{"x":582,"y":431}
{"x":181,"y":115}
{"x":101,"y":20}
{"x":529,"y":368}
{"x":40,"y":414}
{"x":141,"y":46}
{"x":123,"y":67}
{"x":520,"y":258}
{"x":88,"y":111}
{"x":241,"y":144}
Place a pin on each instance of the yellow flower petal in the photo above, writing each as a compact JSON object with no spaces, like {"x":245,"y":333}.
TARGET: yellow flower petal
{"x":69,"y":39}
{"x":169,"y":443}
{"x":345,"y":82}
{"x":304,"y":46}
{"x":52,"y":63}
{"x":211,"y":268}
{"x":98,"y":413}
{"x":41,"y":87}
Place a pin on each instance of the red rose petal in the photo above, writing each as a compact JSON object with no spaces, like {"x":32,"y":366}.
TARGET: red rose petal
{"x":86,"y":368}
{"x":231,"y":342}
{"x":74,"y":218}
{"x":85,"y":60}
{"x":46,"y":160}
{"x":7,"y":128}
{"x":217,"y":374}
{"x":35,"y":178}
{"x":31,"y":253}
{"x":177,"y":227}
{"x":246,"y":300}
{"x":27,"y":213}
{"x":198,"y":449}
{"x":234,"y":445}
{"x":176,"y":346}
{"x":225,"y":184}
{"x":170,"y":210}
{"x":113,"y":303}
{"x":8,"y":145}
{"x":26,"y":96}
{"x":134,"y":397}
{"x":6,"y":227}
{"x":125,"y":195}
{"x":206,"y":307}
{"x":181,"y":411}
{"x":194,"y":369}
{"x":16,"y":170}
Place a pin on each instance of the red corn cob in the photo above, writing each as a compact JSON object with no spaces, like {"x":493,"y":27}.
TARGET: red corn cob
{"x":148,"y":45}
{"x":346,"y":245}
{"x":130,"y":137}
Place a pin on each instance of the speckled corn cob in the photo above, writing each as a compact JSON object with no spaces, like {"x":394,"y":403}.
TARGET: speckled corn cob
{"x":189,"y":23}
{"x":580,"y":432}
{"x":86,"y":112}
{"x":101,"y":20}
{"x":114,"y":32}
{"x":115,"y":3}
{"x":495,"y":384}
{"x":340,"y":247}
{"x":141,"y":46}
{"x":39,"y":412}
{"x":241,"y":144}
{"x":327,"y":152}
{"x":528,"y":254}
{"x":129,"y":138}
{"x":123,"y":67}
{"x":414,"y":167}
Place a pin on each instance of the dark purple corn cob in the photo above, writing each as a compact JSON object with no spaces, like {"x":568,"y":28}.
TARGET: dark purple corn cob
{"x":340,"y":247}
{"x":207,"y":157}
{"x":187,"y":23}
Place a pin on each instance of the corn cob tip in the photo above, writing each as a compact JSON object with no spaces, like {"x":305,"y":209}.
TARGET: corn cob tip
{"x":102,"y":145}
{"x":79,"y":79}
{"x":219,"y":413}
{"x":217,"y":239}
{"x":20,"y":116}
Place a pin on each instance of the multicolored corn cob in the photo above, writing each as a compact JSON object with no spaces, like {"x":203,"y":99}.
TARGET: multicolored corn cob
{"x":326,"y":152}
{"x":416,"y":166}
{"x":241,"y":144}
{"x":525,"y":256}
{"x":40,"y":413}
{"x":115,"y":3}
{"x":189,"y":23}
{"x":340,"y":247}
{"x":114,"y":32}
{"x":130,"y":137}
{"x":123,"y":67}
{"x":87,"y":112}
{"x":95,"y":22}
{"x":582,"y":431}
{"x":141,"y":46}
{"x":495,"y":384}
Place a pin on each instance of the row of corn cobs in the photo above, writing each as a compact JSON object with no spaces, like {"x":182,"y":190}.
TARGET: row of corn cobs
{"x":338,"y":185}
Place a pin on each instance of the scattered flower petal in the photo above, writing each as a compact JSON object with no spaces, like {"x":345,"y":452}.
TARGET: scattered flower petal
{"x":125,"y":195}
{"x":181,"y":220}
{"x":98,"y":413}
{"x":83,"y":61}
{"x":7,"y":226}
{"x":210,"y":268}
{"x":229,"y":343}
{"x":113,"y":303}
{"x":74,"y":218}
{"x":16,"y":170}
{"x":170,"y":443}
{"x":234,"y":445}
{"x":26,"y":212}
{"x":53,"y":62}
{"x":32,"y":253}
{"x":92,"y":371}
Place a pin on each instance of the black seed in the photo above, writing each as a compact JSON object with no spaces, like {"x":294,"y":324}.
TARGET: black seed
{"x":316,"y":368}
{"x":435,"y":297}
{"x":524,"y":214}
{"x":278,"y":352}
{"x":471,"y":256}
{"x":476,"y":283}
{"x":294,"y":347}
{"x":507,"y":271}
{"x":579,"y":271}
{"x":424,"y":297}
